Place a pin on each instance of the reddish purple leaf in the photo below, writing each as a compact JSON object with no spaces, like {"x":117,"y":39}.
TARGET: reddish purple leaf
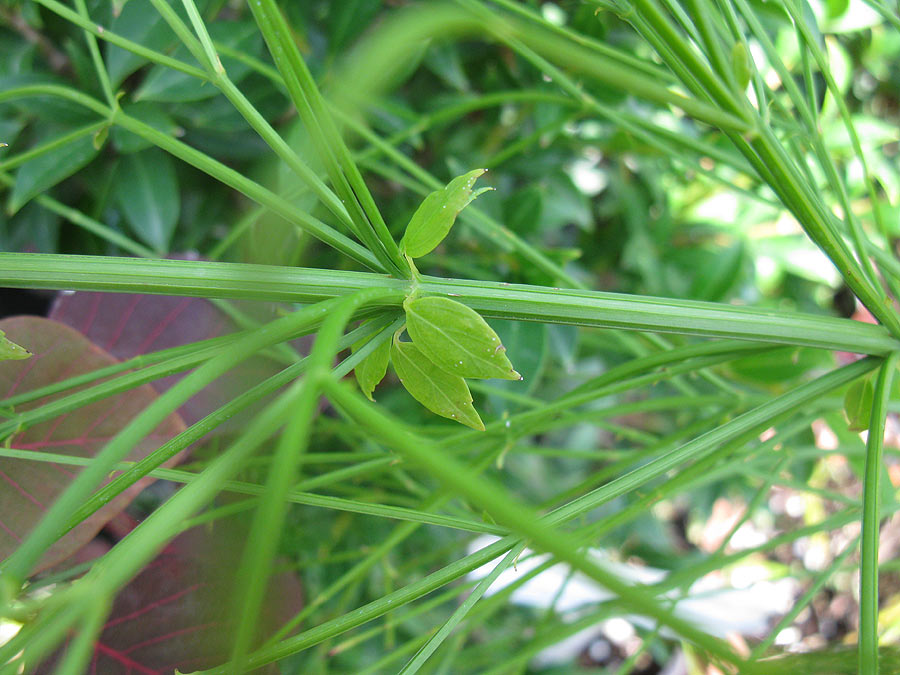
{"x":175,"y":613}
{"x":28,"y":488}
{"x":129,"y":325}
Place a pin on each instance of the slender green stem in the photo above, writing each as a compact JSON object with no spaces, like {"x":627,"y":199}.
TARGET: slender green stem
{"x":709,"y":80}
{"x":204,"y":51}
{"x":105,"y":34}
{"x":493,"y":499}
{"x":436,"y":640}
{"x":207,"y":347}
{"x":97,"y":60}
{"x":650,"y":69}
{"x":207,"y":164}
{"x":871,"y":518}
{"x":344,"y":174}
{"x":250,"y":188}
{"x":408,"y":515}
{"x":79,"y":652}
{"x":197,"y":22}
{"x":20,"y":563}
{"x":801,"y":603}
{"x":103,"y":390}
{"x":51,"y":145}
{"x":87,"y":223}
{"x":264,"y":534}
{"x":200,"y":429}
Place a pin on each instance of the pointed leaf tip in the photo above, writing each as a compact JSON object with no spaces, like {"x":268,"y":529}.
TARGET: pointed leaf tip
{"x":10,"y":351}
{"x":457,"y":339}
{"x":371,"y":370}
{"x":436,"y":214}
{"x":442,"y":393}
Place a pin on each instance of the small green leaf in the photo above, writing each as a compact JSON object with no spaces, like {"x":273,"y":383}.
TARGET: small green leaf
{"x":371,"y":369}
{"x":10,"y":351}
{"x":457,"y":339}
{"x":140,"y":22}
{"x":442,"y":393}
{"x":740,"y":64}
{"x":858,"y":404}
{"x":100,"y":137}
{"x":435,"y":216}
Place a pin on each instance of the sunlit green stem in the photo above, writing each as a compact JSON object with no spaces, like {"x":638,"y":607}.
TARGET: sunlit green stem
{"x":868,"y":572}
{"x":492,"y":299}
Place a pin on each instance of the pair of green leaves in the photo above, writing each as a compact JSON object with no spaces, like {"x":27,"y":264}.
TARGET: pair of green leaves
{"x":450,"y":342}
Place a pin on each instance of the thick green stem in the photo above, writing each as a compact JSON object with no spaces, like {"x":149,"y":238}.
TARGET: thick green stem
{"x":493,"y":299}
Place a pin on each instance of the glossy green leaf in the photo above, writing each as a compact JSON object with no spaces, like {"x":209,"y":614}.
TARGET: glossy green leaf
{"x":436,"y":214}
{"x":10,"y":351}
{"x":138,"y":21}
{"x":442,"y":393}
{"x":371,"y":370}
{"x":858,"y":404}
{"x":457,"y":339}
{"x":347,"y":19}
{"x":42,"y":173}
{"x":147,"y":192}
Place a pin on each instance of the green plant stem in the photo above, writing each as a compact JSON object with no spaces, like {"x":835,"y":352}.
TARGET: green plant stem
{"x":89,"y":224}
{"x":79,"y":652}
{"x":381,"y":55}
{"x":96,"y":59}
{"x":198,"y":431}
{"x":205,"y":52}
{"x":766,"y":153}
{"x":249,"y":188}
{"x":342,"y":170}
{"x":650,"y":69}
{"x":185,"y":360}
{"x":400,"y":534}
{"x":808,"y":596}
{"x":142,"y":361}
{"x":749,"y":423}
{"x":20,"y":563}
{"x":492,"y":498}
{"x":498,"y":300}
{"x":207,"y":164}
{"x":99,"y":31}
{"x":51,"y":145}
{"x":868,"y":572}
{"x":408,"y":515}
{"x":270,"y":514}
{"x":436,"y":640}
